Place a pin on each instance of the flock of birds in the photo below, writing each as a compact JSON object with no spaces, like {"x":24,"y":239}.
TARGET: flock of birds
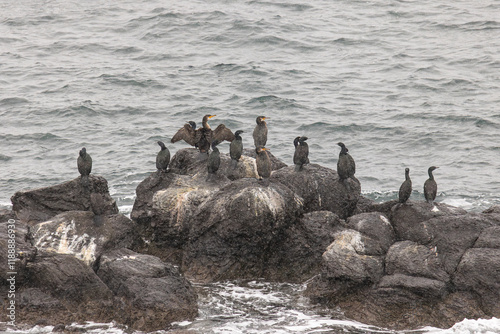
{"x":205,"y":138}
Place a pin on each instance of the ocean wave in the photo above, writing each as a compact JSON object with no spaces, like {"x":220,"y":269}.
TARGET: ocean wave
{"x":286,"y":5}
{"x":5,"y":157}
{"x":273,"y":101}
{"x":13,"y":101}
{"x":127,"y":80}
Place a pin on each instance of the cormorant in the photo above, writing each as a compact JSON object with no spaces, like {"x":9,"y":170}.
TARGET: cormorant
{"x":263,"y":162}
{"x":236,"y":148}
{"x":345,"y":166}
{"x":260,"y":132}
{"x":430,"y":186}
{"x":213,"y":161}
{"x":28,"y":237}
{"x":405,"y":189}
{"x":300,"y":157}
{"x":204,"y":136}
{"x":162,"y":158}
{"x":84,"y":162}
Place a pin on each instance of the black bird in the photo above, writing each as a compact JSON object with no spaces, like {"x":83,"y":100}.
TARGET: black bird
{"x":430,"y":186}
{"x":263,"y":162}
{"x":405,"y":189}
{"x":345,"y":165}
{"x":84,"y":162}
{"x":260,"y":132}
{"x":162,"y":158}
{"x":213,"y":161}
{"x":204,"y":136}
{"x":300,"y":157}
{"x":28,"y":237}
{"x":236,"y":148}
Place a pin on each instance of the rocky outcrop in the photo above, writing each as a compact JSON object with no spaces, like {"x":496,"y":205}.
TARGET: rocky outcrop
{"x":234,"y":227}
{"x":389,"y":264}
{"x":296,"y":255}
{"x":321,"y":189}
{"x":442,"y":265}
{"x":61,"y":234}
{"x":80,"y":234}
{"x":44,"y":203}
{"x":151,"y":293}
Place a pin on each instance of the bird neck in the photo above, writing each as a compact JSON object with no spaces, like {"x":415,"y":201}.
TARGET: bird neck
{"x":431,"y":177}
{"x":205,"y":124}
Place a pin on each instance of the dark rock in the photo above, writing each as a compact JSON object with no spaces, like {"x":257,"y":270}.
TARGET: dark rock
{"x":58,"y":328}
{"x":493,"y":209}
{"x":15,"y":252}
{"x":190,"y":162}
{"x":479,"y":271}
{"x":62,"y":288}
{"x":377,"y":231}
{"x":345,"y":259}
{"x":153,"y":293}
{"x":296,"y":257}
{"x":233,"y":233}
{"x":44,"y":203}
{"x":489,"y":238}
{"x":410,"y":258}
{"x":425,"y":287}
{"x":321,"y":189}
{"x":69,"y":280}
{"x":34,"y":305}
{"x":275,"y":162}
{"x":76,"y":233}
{"x":405,"y":218}
{"x":143,"y":210}
{"x":418,"y":282}
{"x":5,"y":215}
{"x":451,"y":236}
{"x":219,"y":231}
{"x":365,"y":205}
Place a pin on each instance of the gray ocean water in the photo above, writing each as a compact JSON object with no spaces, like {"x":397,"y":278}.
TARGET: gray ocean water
{"x":401,"y":83}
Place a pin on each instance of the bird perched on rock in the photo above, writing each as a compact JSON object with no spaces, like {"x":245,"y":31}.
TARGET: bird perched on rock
{"x":213,"y":162}
{"x":28,"y":237}
{"x":204,"y":136}
{"x":345,"y":165}
{"x":162,"y":158}
{"x":236,"y":148}
{"x":430,"y":186}
{"x":405,"y":189}
{"x":84,"y":163}
{"x":263,"y":162}
{"x":260,"y":132}
{"x":301,"y":155}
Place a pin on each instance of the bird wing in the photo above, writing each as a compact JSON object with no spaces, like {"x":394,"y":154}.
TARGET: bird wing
{"x":185,"y":133}
{"x":222,"y":133}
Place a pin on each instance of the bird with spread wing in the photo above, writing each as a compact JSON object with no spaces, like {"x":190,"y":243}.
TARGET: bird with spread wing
{"x":203,"y":137}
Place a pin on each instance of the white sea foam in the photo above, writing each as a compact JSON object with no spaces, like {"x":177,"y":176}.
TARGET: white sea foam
{"x":471,"y":326}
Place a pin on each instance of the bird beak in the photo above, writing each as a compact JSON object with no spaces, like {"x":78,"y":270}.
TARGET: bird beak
{"x":265,"y":149}
{"x":211,"y":116}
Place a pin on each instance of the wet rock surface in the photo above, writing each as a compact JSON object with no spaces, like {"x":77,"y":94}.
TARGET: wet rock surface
{"x":151,"y":293}
{"x":235,"y":227}
{"x":44,"y":203}
{"x":431,"y":273}
{"x":60,"y":235}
